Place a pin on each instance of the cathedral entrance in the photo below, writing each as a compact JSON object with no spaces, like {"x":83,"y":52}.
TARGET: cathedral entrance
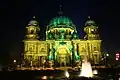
{"x":63,"y":57}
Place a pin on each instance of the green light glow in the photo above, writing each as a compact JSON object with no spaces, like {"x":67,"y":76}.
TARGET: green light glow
{"x":62,"y":20}
{"x":50,"y":57}
{"x":77,"y":57}
{"x":62,"y":43}
{"x":50,"y":35}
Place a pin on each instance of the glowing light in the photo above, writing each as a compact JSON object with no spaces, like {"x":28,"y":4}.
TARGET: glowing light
{"x":92,"y":29}
{"x":88,"y":17}
{"x":95,"y":72}
{"x":33,"y":17}
{"x":116,"y":58}
{"x":102,"y":59}
{"x":14,"y":61}
{"x":67,"y":74}
{"x":117,"y":54}
{"x":44,"y":77}
{"x":107,"y":54}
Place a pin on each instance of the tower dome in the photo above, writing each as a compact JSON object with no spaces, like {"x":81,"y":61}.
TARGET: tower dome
{"x":33,"y":22}
{"x":32,"y":29}
{"x":90,"y":22}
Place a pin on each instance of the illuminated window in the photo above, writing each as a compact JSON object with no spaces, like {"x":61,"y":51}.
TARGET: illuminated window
{"x":92,"y":29}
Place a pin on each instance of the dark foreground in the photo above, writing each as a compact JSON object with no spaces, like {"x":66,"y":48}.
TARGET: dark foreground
{"x":104,"y":74}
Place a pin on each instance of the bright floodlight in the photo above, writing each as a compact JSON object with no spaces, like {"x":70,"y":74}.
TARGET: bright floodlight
{"x":14,"y":61}
{"x":67,"y":74}
{"x":107,"y":54}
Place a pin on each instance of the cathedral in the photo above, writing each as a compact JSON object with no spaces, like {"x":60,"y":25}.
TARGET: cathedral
{"x":62,"y":45}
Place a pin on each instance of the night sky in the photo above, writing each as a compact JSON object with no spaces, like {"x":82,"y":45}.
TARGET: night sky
{"x":16,"y":15}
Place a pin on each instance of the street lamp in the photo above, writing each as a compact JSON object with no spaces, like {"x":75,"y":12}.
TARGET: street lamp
{"x":106,"y":57}
{"x":14,"y":64}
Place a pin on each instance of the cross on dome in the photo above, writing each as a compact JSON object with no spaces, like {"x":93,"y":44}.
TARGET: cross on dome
{"x":60,"y":12}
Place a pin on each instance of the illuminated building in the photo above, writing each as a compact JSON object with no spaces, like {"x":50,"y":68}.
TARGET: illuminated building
{"x":62,"y":45}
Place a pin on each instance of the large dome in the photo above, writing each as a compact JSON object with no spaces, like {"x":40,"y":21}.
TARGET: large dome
{"x":62,"y":20}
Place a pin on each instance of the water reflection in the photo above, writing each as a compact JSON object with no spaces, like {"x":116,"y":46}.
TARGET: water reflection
{"x":44,"y":78}
{"x":107,"y":74}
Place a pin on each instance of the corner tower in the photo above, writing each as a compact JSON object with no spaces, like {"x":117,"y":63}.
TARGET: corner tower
{"x":93,"y":40}
{"x":31,"y":43}
{"x":91,"y":30}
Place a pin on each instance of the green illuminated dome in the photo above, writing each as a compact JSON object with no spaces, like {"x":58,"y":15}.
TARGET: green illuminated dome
{"x":62,"y":20}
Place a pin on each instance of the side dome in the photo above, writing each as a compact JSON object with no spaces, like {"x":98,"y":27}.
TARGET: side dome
{"x":33,"y":22}
{"x":62,"y":20}
{"x":90,"y":22}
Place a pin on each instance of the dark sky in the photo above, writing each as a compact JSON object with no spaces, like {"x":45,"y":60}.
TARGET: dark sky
{"x":16,"y":15}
